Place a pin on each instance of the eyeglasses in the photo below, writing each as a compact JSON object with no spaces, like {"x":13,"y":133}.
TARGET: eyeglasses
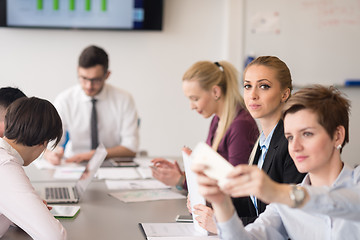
{"x":94,"y":81}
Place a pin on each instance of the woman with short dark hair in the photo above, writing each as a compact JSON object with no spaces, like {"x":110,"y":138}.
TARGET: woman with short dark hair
{"x":30,"y":124}
{"x":325,"y":205}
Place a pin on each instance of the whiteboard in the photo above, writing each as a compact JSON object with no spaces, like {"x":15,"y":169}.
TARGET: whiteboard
{"x":319,"y":40}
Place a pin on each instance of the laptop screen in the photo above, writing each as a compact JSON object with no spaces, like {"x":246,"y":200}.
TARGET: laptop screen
{"x":91,"y":169}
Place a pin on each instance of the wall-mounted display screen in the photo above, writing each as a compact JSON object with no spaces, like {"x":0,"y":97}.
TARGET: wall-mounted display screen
{"x":82,"y":14}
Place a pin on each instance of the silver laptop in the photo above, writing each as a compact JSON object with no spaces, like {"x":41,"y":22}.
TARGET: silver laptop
{"x":57,"y":192}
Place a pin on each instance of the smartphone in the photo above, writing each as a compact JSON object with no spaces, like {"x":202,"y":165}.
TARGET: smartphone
{"x":184,"y":218}
{"x":123,"y":162}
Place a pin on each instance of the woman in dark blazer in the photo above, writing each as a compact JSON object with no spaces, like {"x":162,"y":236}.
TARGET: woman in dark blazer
{"x":279,"y":167}
{"x":267,"y":86}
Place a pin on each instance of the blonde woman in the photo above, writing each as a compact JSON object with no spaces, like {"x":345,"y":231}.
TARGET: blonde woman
{"x":213,"y":91}
{"x":267,"y":87}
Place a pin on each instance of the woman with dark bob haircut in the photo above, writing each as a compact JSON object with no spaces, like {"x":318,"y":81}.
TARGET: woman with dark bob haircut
{"x":30,"y":124}
{"x":325,"y":205}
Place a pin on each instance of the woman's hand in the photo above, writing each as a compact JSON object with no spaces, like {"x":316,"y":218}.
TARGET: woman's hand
{"x":245,"y":180}
{"x":208,"y":187}
{"x":48,"y":207}
{"x":205,"y":217}
{"x":167,"y":172}
{"x":221,"y":203}
{"x":54,"y":156}
{"x":187,"y":150}
{"x":188,"y":203}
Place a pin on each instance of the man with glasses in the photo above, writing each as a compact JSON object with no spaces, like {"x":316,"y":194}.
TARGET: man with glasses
{"x":95,"y":112}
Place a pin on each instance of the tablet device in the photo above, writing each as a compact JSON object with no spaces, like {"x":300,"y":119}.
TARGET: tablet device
{"x":217,"y":167}
{"x":64,"y":211}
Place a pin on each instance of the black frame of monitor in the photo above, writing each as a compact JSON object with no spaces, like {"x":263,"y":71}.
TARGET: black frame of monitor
{"x":152,"y":19}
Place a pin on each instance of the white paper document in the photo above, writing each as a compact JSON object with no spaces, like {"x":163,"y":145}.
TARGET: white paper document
{"x":172,"y":231}
{"x":70,"y":171}
{"x":143,"y":161}
{"x":146,"y":161}
{"x":217,"y":167}
{"x":118,"y":173}
{"x":42,"y":163}
{"x":147,"y":195}
{"x":184,"y":238}
{"x":127,"y":173}
{"x":145,"y":172}
{"x":73,"y":173}
{"x":193,"y":189}
{"x":135,"y":184}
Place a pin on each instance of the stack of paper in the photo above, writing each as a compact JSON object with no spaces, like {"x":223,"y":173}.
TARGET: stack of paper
{"x":135,"y":184}
{"x":172,"y":231}
{"x":193,"y":189}
{"x":147,"y":195}
{"x":70,"y":171}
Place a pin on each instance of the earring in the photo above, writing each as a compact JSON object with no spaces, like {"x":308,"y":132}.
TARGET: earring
{"x":338,"y":147}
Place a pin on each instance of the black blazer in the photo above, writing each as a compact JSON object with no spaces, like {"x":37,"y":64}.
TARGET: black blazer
{"x":278,"y":165}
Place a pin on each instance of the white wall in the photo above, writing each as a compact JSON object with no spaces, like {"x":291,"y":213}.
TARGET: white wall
{"x":147,"y":64}
{"x":350,"y":153}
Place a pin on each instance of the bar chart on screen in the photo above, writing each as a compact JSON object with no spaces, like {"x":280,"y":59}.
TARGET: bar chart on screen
{"x":72,"y":13}
{"x":71,"y":4}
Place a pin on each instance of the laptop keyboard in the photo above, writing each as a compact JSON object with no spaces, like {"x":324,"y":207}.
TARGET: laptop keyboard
{"x":57,"y":193}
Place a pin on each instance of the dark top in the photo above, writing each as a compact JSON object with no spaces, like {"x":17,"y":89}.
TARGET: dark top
{"x":280,"y":168}
{"x":239,"y":139}
{"x":237,"y":143}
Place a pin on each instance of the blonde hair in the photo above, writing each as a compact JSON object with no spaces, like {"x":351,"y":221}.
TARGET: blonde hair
{"x":282,"y":71}
{"x":224,"y":75}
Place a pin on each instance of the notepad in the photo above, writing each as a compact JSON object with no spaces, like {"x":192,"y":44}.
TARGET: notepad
{"x":64,"y":211}
{"x":161,"y":231}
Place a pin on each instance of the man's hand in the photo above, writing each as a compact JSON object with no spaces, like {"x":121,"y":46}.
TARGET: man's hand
{"x":55,"y":155}
{"x":81,"y":157}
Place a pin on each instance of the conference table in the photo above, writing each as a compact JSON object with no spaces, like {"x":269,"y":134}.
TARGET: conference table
{"x":104,"y":217}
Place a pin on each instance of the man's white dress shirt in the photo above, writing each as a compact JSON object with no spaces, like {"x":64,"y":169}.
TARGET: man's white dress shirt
{"x":19,"y":203}
{"x":117,"y":119}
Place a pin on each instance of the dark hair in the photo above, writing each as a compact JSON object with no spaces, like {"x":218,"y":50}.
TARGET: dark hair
{"x":328,"y":103}
{"x":92,"y":56}
{"x":9,"y":95}
{"x":32,"y":121}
